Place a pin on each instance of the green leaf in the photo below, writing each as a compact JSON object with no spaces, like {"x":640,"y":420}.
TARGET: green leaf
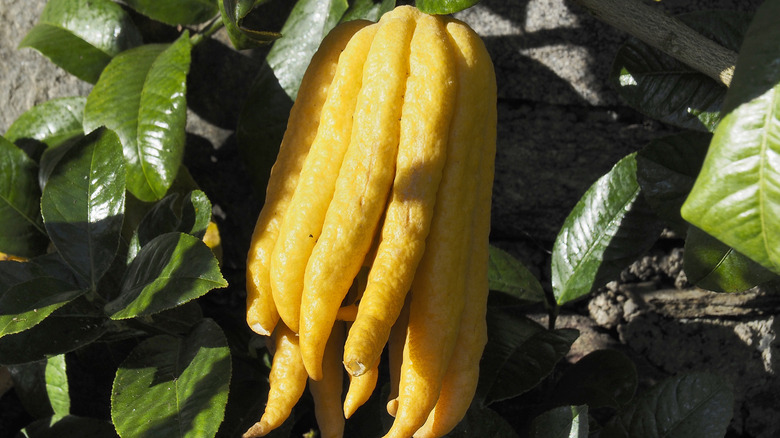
{"x":188,"y":213}
{"x":70,"y":327}
{"x":307,"y":25}
{"x":519,"y":354}
{"x":70,"y":426}
{"x":82,"y":36}
{"x":444,"y":6}
{"x":696,"y":404}
{"x":736,"y":197}
{"x":56,"y":376}
{"x":561,"y":422}
{"x":83,"y":203}
{"x":171,"y":270}
{"x":24,"y":305}
{"x":176,"y":12}
{"x":712,"y":265}
{"x":602,"y":378}
{"x":20,"y":215}
{"x":50,"y":123}
{"x":482,"y":422}
{"x":173,"y":387}
{"x":506,"y":274}
{"x":368,"y":10}
{"x":233,"y":12}
{"x":142,"y":96}
{"x":666,"y":170}
{"x":668,"y":90}
{"x":609,"y":228}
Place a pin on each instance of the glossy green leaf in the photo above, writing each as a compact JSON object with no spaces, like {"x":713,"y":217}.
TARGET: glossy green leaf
{"x":176,"y":12}
{"x":506,"y":274}
{"x":666,"y":170}
{"x":610,"y":227}
{"x":70,"y":426}
{"x":83,"y":203}
{"x":70,"y":327}
{"x":20,"y":215}
{"x":82,"y":36}
{"x":602,"y":378}
{"x":48,"y":265}
{"x":370,"y":10}
{"x":24,"y":305}
{"x":668,"y":90}
{"x":696,"y":404}
{"x":482,"y":422}
{"x":307,"y":25}
{"x":48,"y":124}
{"x":561,"y":422}
{"x":142,"y":96}
{"x":519,"y":354}
{"x":736,"y":197}
{"x":444,"y":6}
{"x":56,"y":376}
{"x":171,"y":270}
{"x":173,"y":387}
{"x":712,"y":265}
{"x":233,"y":12}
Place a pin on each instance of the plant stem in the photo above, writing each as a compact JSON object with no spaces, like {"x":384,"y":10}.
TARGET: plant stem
{"x":215,"y":25}
{"x":667,"y":34}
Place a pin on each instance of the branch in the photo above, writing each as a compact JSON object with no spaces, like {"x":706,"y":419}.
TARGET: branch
{"x":667,"y":34}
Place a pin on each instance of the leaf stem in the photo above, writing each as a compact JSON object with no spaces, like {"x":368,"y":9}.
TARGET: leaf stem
{"x":667,"y":34}
{"x":210,"y":29}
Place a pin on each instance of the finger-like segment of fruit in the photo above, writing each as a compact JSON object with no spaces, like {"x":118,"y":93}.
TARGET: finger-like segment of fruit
{"x":438,"y":290}
{"x":395,"y":353}
{"x":287,"y":382}
{"x":262,"y":314}
{"x":360,"y":389}
{"x":326,"y":392}
{"x":301,"y":228}
{"x":425,"y":121}
{"x":460,"y":381}
{"x":362,"y":186}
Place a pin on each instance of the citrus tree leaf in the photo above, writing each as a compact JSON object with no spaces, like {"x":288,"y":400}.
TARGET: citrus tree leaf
{"x":602,"y":378}
{"x":736,"y":197}
{"x":173,"y":387}
{"x":519,"y":354}
{"x":697,"y":404}
{"x":668,"y":90}
{"x":483,"y":422}
{"x":506,"y":274}
{"x":72,"y":326}
{"x":561,"y":422}
{"x":69,"y":426}
{"x":444,"y":6}
{"x":82,"y":36}
{"x":171,"y":270}
{"x":233,"y":12}
{"x":368,"y":10}
{"x":48,"y":124}
{"x":20,"y":214}
{"x":712,"y":265}
{"x":141,"y":95}
{"x":24,"y":305}
{"x":176,"y":12}
{"x":83,"y":203}
{"x":56,"y":376}
{"x":610,"y":227}
{"x":666,"y":170}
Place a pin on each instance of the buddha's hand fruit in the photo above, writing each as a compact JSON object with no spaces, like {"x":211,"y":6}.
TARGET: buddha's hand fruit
{"x":386,"y":168}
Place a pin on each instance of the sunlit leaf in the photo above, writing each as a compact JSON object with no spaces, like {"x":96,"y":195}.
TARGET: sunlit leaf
{"x":26,"y":304}
{"x":171,"y":270}
{"x":173,"y":387}
{"x":609,"y":228}
{"x":176,"y":12}
{"x":142,"y":97}
{"x":233,"y":13}
{"x":561,"y":422}
{"x":49,"y":123}
{"x":696,"y":404}
{"x":519,"y":354}
{"x":56,"y":376}
{"x":83,"y":203}
{"x":506,"y":274}
{"x":444,"y":6}
{"x":20,"y":215}
{"x":82,"y":36}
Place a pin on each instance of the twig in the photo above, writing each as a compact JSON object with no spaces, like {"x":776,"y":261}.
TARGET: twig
{"x":667,"y":34}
